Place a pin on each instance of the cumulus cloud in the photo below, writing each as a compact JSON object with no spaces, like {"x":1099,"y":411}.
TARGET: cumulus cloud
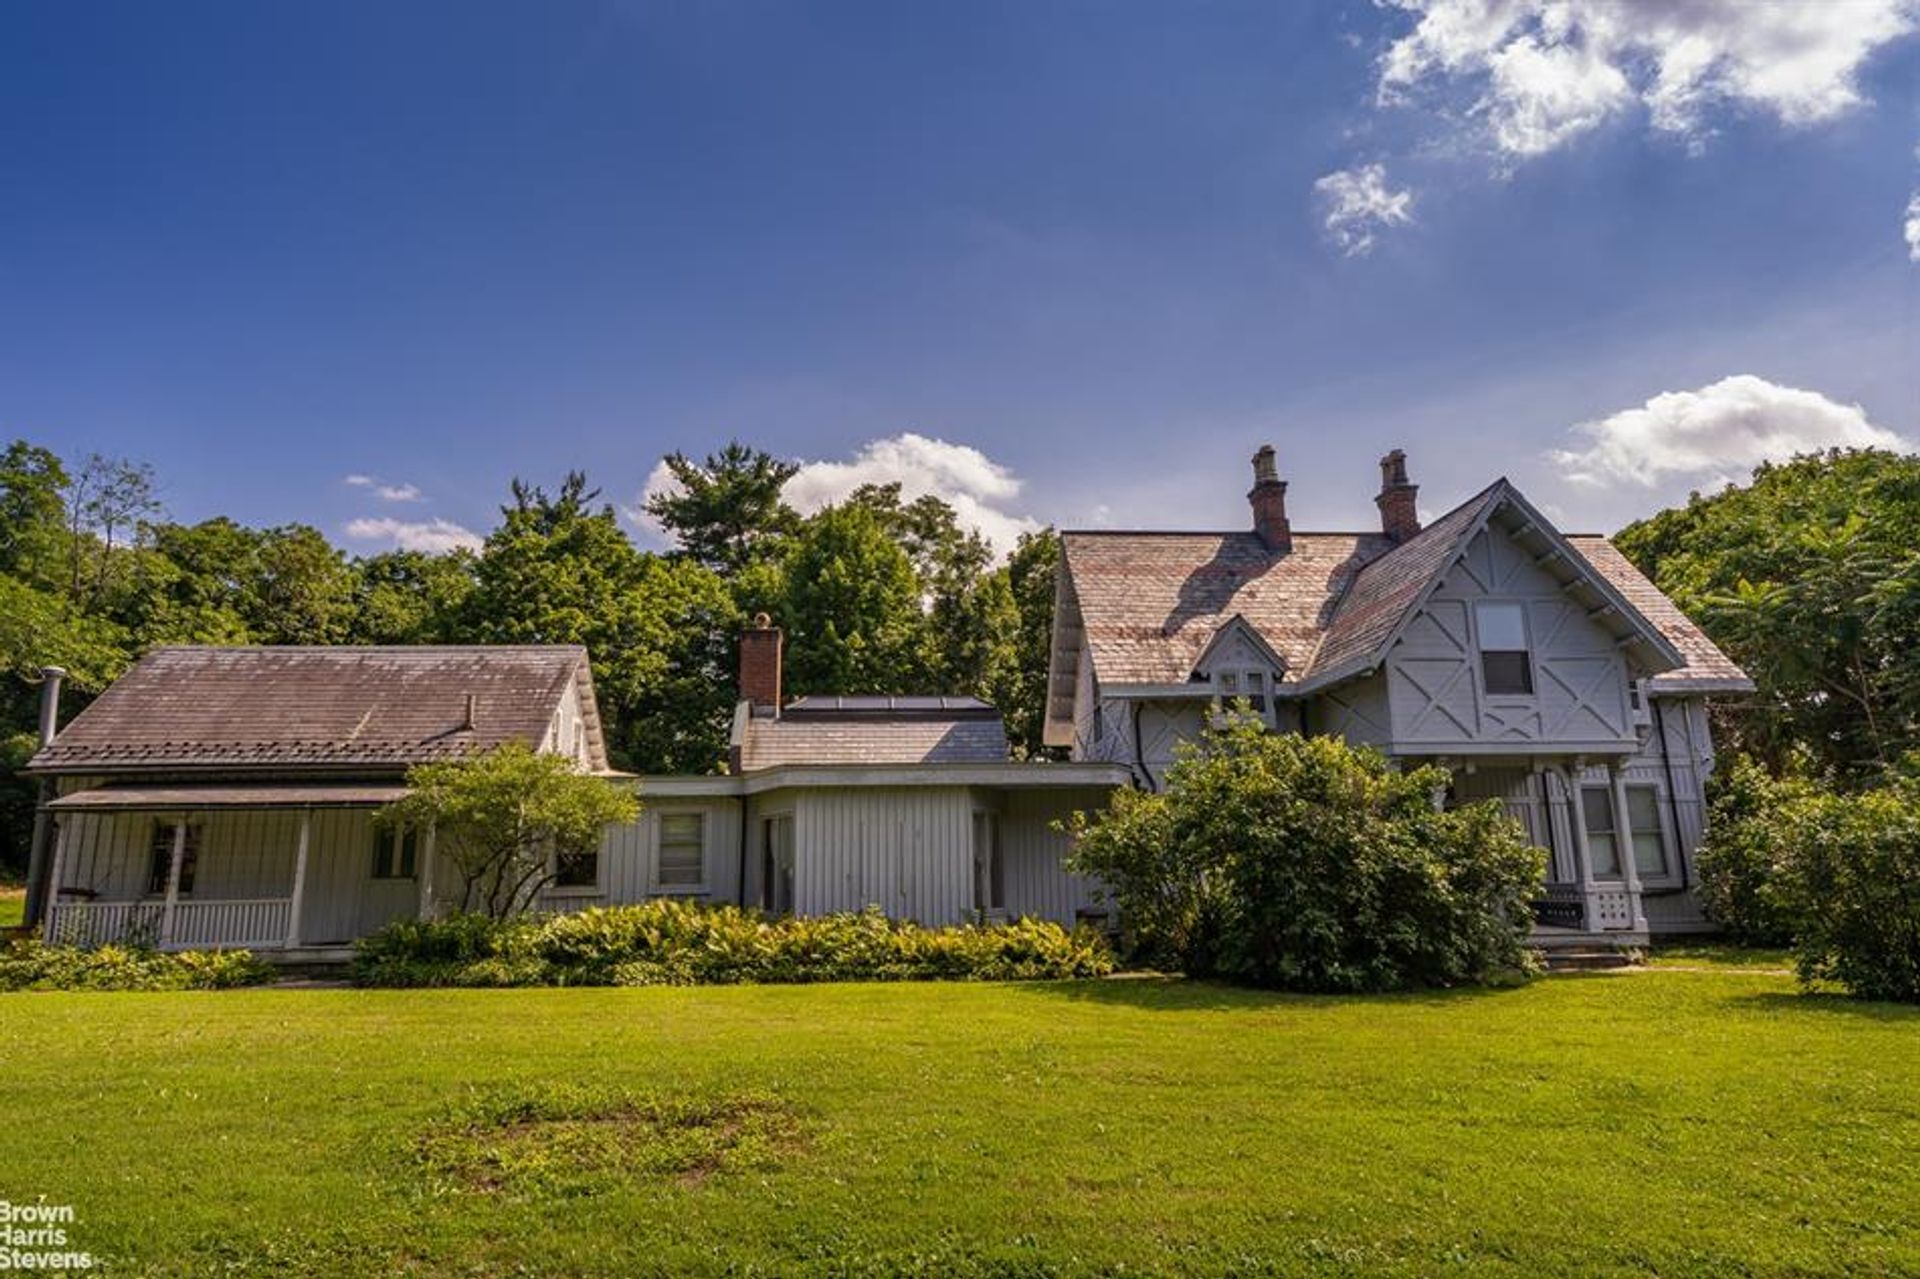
{"x":1715,"y":434}
{"x":980,"y":490}
{"x":1912,"y":228}
{"x":1357,"y":204}
{"x":434,"y":536}
{"x":385,"y":492}
{"x":1546,"y":71}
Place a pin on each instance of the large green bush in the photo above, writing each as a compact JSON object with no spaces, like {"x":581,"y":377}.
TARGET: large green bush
{"x":670,"y":942}
{"x":35,"y":965}
{"x":1309,"y":864}
{"x":1738,"y":865}
{"x":1851,"y":882}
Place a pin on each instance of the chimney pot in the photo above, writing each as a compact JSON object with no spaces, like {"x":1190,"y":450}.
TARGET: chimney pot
{"x":760,"y":660}
{"x":1268,"y":497}
{"x":51,"y":677}
{"x":1399,"y":509}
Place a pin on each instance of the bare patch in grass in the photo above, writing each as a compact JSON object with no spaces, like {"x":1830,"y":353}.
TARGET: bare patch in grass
{"x":579,"y":1142}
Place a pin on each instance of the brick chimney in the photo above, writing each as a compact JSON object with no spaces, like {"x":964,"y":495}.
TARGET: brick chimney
{"x":1268,"y":497}
{"x":1399,"y":514}
{"x":760,"y":665}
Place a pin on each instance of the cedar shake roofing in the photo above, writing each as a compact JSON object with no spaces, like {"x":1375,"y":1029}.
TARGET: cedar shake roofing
{"x":1150,"y":603}
{"x":952,"y":730}
{"x":371,"y":709}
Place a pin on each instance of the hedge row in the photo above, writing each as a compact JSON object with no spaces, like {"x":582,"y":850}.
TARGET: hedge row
{"x":34,"y":965}
{"x":672,"y":943}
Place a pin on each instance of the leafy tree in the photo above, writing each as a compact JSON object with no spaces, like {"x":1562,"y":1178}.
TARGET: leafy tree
{"x":1019,"y":685}
{"x":302,"y":591}
{"x":33,"y":512}
{"x":106,"y":498}
{"x":409,"y":597}
{"x":1809,"y":577}
{"x":1305,"y":863}
{"x":726,"y":512}
{"x":559,"y":570}
{"x":507,"y":820}
{"x":852,"y":608}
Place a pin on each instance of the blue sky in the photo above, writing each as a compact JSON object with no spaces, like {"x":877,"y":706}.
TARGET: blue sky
{"x":1066,"y":262}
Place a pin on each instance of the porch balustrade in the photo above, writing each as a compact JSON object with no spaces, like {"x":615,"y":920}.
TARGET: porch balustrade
{"x":256,"y":924}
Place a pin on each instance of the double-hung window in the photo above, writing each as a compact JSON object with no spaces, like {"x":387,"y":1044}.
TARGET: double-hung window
{"x":1506,"y":660}
{"x":160,"y":858}
{"x":1646,"y":835}
{"x":396,"y":853}
{"x":1649,"y":835}
{"x":683,"y":851}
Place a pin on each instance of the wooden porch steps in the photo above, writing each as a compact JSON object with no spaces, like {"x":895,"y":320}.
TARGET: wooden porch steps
{"x":1588,"y":959}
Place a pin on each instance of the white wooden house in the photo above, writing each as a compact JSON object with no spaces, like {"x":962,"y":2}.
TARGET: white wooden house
{"x":225,"y":797}
{"x":1543,"y":669}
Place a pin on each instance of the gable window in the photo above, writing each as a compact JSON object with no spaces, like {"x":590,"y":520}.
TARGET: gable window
{"x":1649,"y":835}
{"x":683,"y":851}
{"x":1250,"y":686}
{"x":160,"y":860}
{"x":396,"y":853}
{"x":1506,"y":664}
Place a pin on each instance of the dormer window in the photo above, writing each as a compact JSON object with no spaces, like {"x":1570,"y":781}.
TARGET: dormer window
{"x":1251,"y":686}
{"x":1506,"y":660}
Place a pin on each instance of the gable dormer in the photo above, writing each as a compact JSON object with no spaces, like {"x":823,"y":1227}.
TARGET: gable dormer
{"x":1239,"y":664}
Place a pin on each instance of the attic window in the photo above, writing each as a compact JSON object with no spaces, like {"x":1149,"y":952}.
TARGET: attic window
{"x":1249,"y":686}
{"x":1506,"y":663}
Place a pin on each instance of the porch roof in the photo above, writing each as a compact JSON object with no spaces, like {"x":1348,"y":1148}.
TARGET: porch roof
{"x":175,"y":798}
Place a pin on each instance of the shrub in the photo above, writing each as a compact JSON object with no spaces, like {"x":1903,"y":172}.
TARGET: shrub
{"x":1739,"y":862}
{"x":1851,"y":884}
{"x":35,"y":965}
{"x":1308,"y":864}
{"x":670,"y":942}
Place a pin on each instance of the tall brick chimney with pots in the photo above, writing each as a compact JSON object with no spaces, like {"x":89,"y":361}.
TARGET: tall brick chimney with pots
{"x":760,"y":665}
{"x":1399,"y":513}
{"x":1268,"y":497}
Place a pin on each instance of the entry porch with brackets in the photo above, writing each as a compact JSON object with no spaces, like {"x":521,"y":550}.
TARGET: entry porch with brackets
{"x":293,"y":869}
{"x":1619,"y":841}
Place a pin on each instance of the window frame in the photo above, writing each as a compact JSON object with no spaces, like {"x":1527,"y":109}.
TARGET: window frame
{"x":160,"y":856}
{"x":1235,"y":684}
{"x":396,"y":854}
{"x":1658,"y":830}
{"x":1611,"y":833}
{"x":661,"y":885}
{"x":1526,"y":652}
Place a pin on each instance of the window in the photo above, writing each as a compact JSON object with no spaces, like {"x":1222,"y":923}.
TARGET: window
{"x":1249,"y":686}
{"x":683,"y":851}
{"x":1649,"y":836}
{"x":1603,"y":844}
{"x":989,"y":871}
{"x":1506,"y":666}
{"x":577,"y":870}
{"x":161,"y":861}
{"x":395,"y":853}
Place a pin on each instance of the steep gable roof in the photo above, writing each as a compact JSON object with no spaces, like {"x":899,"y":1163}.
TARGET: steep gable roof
{"x":1148,"y":605}
{"x":372,"y":708}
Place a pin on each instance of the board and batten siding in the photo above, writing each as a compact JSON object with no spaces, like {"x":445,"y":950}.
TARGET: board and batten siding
{"x":908,"y":850}
{"x":1434,"y":680}
{"x":1033,"y":855}
{"x":630,"y":858}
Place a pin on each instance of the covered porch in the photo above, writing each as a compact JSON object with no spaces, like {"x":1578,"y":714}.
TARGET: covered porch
{"x":294,"y":870}
{"x":1612,"y":831}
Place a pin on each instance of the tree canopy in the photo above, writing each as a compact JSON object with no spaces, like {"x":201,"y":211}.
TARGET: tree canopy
{"x":1809,"y":577}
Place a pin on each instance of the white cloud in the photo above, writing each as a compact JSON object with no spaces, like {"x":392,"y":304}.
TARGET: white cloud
{"x":434,"y":536}
{"x":979,"y":489}
{"x":1912,"y":228}
{"x":1546,"y":71}
{"x":1715,"y":434}
{"x":386,"y":492}
{"x":1358,"y":204}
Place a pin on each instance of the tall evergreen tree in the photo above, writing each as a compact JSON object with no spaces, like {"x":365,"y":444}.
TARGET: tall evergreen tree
{"x":727,"y":512}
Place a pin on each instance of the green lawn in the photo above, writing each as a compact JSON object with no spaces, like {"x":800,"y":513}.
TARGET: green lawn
{"x":1671,"y":1122}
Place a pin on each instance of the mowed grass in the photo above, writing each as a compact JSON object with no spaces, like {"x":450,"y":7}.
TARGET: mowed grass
{"x":1670,"y":1122}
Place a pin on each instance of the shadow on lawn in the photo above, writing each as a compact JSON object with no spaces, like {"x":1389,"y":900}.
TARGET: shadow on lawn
{"x":1182,"y":994}
{"x":1826,"y":1001}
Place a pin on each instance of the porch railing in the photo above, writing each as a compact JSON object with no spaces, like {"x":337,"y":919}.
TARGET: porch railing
{"x":256,"y":924}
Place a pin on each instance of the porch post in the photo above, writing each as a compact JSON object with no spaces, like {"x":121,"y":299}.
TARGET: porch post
{"x":299,"y":878}
{"x":1582,"y":856}
{"x":51,"y":911}
{"x":426,"y":874}
{"x":1623,"y":839}
{"x":173,"y":880}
